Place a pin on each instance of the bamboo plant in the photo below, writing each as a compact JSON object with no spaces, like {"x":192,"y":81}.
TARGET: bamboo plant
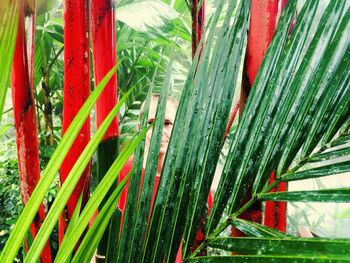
{"x":296,"y":114}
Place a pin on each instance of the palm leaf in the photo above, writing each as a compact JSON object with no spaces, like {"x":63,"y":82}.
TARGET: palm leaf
{"x":255,"y":229}
{"x":69,"y":185}
{"x":290,"y":246}
{"x":272,"y":258}
{"x":297,"y":116}
{"x":48,"y":175}
{"x":341,"y":195}
{"x":8,"y":33}
{"x":133,"y":14}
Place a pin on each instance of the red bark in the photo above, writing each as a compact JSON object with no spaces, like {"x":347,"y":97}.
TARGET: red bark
{"x":198,"y":24}
{"x":76,"y":91}
{"x":25,"y":121}
{"x":104,"y":58}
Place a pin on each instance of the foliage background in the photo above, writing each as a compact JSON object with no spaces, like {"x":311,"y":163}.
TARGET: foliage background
{"x":140,"y":47}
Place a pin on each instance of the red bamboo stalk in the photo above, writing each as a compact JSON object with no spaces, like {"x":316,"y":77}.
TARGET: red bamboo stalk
{"x":25,"y":120}
{"x":76,"y":91}
{"x":104,"y":58}
{"x":263,"y":19}
{"x":276,"y":212}
{"x":198,"y":24}
{"x":103,"y":34}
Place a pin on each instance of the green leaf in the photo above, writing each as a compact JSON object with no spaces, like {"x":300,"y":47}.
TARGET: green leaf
{"x":131,"y":206}
{"x":48,"y":175}
{"x":232,"y":185}
{"x":269,"y":259}
{"x":282,"y":246}
{"x":336,"y":50}
{"x":144,"y":15}
{"x":74,"y":218}
{"x":291,"y":103}
{"x":93,"y":236}
{"x":203,"y":110}
{"x":341,"y":195}
{"x":325,"y":156}
{"x":325,"y":170}
{"x":255,"y":229}
{"x":70,"y":241}
{"x":8,"y":33}
{"x":70,"y":183}
{"x":144,"y":207}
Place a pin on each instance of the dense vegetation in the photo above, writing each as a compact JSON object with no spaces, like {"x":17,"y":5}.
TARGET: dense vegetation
{"x":295,"y":124}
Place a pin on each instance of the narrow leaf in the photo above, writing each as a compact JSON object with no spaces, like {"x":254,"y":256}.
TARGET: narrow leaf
{"x":326,"y":170}
{"x":48,"y":175}
{"x":341,"y":195}
{"x":255,"y":229}
{"x":8,"y":33}
{"x":282,"y":246}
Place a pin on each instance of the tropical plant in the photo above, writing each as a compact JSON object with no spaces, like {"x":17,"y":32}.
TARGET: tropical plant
{"x":297,"y":113}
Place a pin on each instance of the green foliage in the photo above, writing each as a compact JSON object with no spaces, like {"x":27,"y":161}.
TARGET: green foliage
{"x":10,"y":198}
{"x":8,"y":33}
{"x":295,"y":122}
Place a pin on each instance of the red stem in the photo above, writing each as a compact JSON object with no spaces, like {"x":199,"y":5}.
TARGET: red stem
{"x":276,"y":212}
{"x":232,"y":118}
{"x":198,"y":24}
{"x":25,"y":120}
{"x":104,"y":58}
{"x":263,"y":19}
{"x":76,"y":91}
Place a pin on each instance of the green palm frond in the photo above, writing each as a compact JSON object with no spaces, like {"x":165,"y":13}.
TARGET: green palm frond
{"x":296,"y":123}
{"x":144,"y":15}
{"x":8,"y":33}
